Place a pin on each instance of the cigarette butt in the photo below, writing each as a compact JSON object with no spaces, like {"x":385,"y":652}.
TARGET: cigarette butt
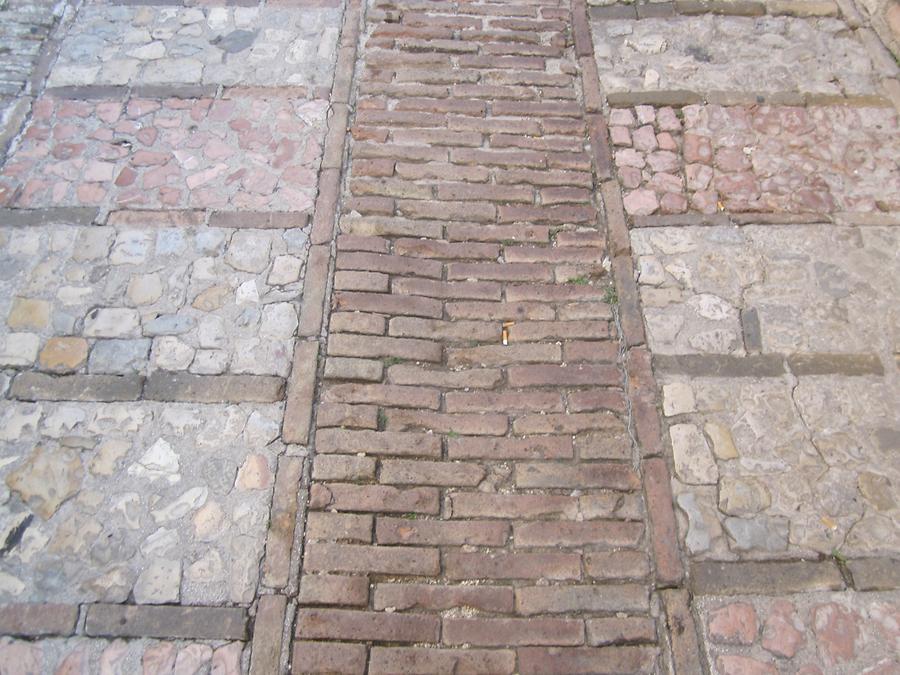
{"x":505,"y":337}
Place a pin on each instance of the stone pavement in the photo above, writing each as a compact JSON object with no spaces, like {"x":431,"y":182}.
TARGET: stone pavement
{"x":419,"y":336}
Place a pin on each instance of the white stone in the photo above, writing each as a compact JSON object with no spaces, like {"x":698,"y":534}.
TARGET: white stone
{"x":678,"y":398}
{"x":189,"y":501}
{"x":153,"y":50}
{"x":170,"y":353}
{"x":260,"y":430}
{"x":159,"y":461}
{"x":209,"y":362}
{"x":19,"y":420}
{"x":19,"y":349}
{"x":131,"y":247}
{"x":694,"y":462}
{"x":73,"y":295}
{"x":247,"y":293}
{"x":159,"y":583}
{"x":145,"y":289}
{"x":279,"y":321}
{"x":711,"y":307}
{"x":160,"y":542}
{"x":112,"y":322}
{"x":285,"y":270}
{"x":248,"y":251}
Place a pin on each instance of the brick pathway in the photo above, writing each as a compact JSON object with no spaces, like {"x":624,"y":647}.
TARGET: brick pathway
{"x":415,"y":336}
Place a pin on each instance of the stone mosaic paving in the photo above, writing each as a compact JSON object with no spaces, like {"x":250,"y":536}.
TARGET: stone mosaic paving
{"x":257,"y":152}
{"x":707,"y":158}
{"x":131,"y":300}
{"x":199,"y":45}
{"x":707,"y":53}
{"x":808,"y":634}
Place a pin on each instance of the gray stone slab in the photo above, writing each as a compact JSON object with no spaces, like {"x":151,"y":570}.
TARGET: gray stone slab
{"x":875,"y":574}
{"x":40,"y":387}
{"x":210,"y":623}
{"x":764,"y":578}
{"x":163,"y":386}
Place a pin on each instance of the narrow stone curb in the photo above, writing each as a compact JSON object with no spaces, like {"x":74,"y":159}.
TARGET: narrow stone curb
{"x":798,"y":8}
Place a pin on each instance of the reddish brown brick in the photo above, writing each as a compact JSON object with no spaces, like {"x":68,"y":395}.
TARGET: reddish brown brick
{"x":343,"y":468}
{"x":462,"y":106}
{"x":384,"y":226}
{"x":352,"y":242}
{"x":557,"y":215}
{"x":616,"y":565}
{"x":346,"y":624}
{"x":35,"y":620}
{"x":532,"y":600}
{"x":389,"y":660}
{"x":596,"y":399}
{"x":351,"y":442}
{"x":373,"y":282}
{"x":340,"y":368}
{"x":620,"y":630}
{"x":601,"y":532}
{"x":328,"y":657}
{"x":577,"y":660}
{"x":552,"y":293}
{"x":445,"y":331}
{"x":577,"y":476}
{"x":426,"y":248}
{"x":383,"y":394}
{"x":550,"y":178}
{"x":481,"y":378}
{"x":338,"y":527}
{"x":531,"y":233}
{"x":439,"y":532}
{"x":490,"y":193}
{"x":598,"y":352}
{"x":541,"y":331}
{"x":498,"y":311}
{"x":486,"y":505}
{"x":373,"y":498}
{"x":331,"y":589}
{"x":513,"y":401}
{"x":433,"y":597}
{"x":573,"y":423}
{"x":418,"y":472}
{"x":564,"y":376}
{"x":358,"y":322}
{"x":501,"y":355}
{"x":468,"y":290}
{"x":498,"y":157}
{"x":403,"y":305}
{"x":402,"y":560}
{"x":536,"y":447}
{"x":502,"y":632}
{"x":466,"y":424}
{"x":390,"y":264}
{"x":367,"y":346}
{"x":493,"y":271}
{"x":442,"y":171}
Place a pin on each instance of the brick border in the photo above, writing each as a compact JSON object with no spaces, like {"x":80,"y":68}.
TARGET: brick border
{"x":645,"y":10}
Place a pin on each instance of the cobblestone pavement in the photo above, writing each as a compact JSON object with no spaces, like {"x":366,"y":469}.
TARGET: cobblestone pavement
{"x":417,"y":337}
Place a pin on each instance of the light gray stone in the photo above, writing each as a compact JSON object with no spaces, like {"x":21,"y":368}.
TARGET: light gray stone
{"x":159,"y":583}
{"x":119,"y":357}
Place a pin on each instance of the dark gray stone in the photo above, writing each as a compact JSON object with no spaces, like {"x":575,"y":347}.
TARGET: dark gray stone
{"x":41,"y":387}
{"x":236,"y":41}
{"x":713,"y":365}
{"x":835,"y":364}
{"x":764,"y":578}
{"x":165,"y":621}
{"x":875,"y":574}
{"x":169,"y":324}
{"x":752,"y":330}
{"x":163,"y":386}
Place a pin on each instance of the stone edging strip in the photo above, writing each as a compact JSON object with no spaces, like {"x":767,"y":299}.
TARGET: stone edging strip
{"x":273,"y":628}
{"x":682,"y":97}
{"x":798,"y":8}
{"x":858,"y":219}
{"x":769,"y":365}
{"x":642,"y":389}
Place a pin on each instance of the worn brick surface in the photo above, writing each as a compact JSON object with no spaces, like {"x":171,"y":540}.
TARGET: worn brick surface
{"x":473,"y":459}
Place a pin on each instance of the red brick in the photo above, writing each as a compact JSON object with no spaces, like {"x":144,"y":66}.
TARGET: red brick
{"x":431,"y":20}
{"x":437,"y":137}
{"x":442,"y":171}
{"x":501,"y":632}
{"x":402,"y":560}
{"x":498,"y":157}
{"x":596,"y":399}
{"x":429,"y":596}
{"x":532,"y":600}
{"x":417,"y":472}
{"x":300,"y":394}
{"x":343,"y":468}
{"x":546,"y":143}
{"x":390,"y":264}
{"x":373,"y":498}
{"x":349,"y":242}
{"x":441,"y":533}
{"x":493,"y":125}
{"x":340,"y":368}
{"x":536,"y":109}
{"x":492,"y":92}
{"x":494,"y":271}
{"x":382,"y":394}
{"x":565,"y":195}
{"x":373,"y":167}
{"x":392,"y":118}
{"x":386,"y":660}
{"x":557,"y":256}
{"x":551,"y":292}
{"x":603,"y":352}
{"x":605,"y":444}
{"x":436,"y":75}
{"x":426,"y":248}
{"x":564,"y":376}
{"x":559,"y":125}
{"x":311,"y":310}
{"x":471,"y":290}
{"x":369,"y":134}
{"x":577,"y":476}
{"x":553,"y":178}
{"x":504,"y":233}
{"x":402,"y":305}
{"x":498,"y":311}
{"x":527,"y":78}
{"x":391,"y":226}
{"x":482,"y":378}
{"x":664,"y":532}
{"x":329,"y":589}
{"x":499,"y":10}
{"x":346,"y":624}
{"x":328,"y":657}
{"x":338,"y":526}
{"x":533,"y":331}
{"x":479,"y":192}
{"x":448,"y":331}
{"x":578,"y":311}
{"x":616,"y":565}
{"x":573,"y":423}
{"x":386,"y":57}
{"x":483,"y":212}
{"x":520,"y":49}
{"x":512,"y":401}
{"x":412,"y":153}
{"x":362,"y":281}
{"x":466,"y":424}
{"x":390,"y":187}
{"x":578,"y":660}
{"x":487,"y":505}
{"x":603,"y":533}
{"x":558,"y":215}
{"x":383,"y":347}
{"x":530,"y":26}
{"x":407,"y":30}
{"x":341,"y":441}
{"x":538,"y":447}
{"x":501,"y":355}
{"x":460,"y":106}
{"x":620,"y":630}
{"x":408,"y":89}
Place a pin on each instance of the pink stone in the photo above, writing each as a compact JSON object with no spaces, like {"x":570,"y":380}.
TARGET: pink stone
{"x":221,"y":110}
{"x":734,"y":623}
{"x":697,"y":148}
{"x":147,"y":135}
{"x":620,"y":136}
{"x":35,"y":132}
{"x":235,"y":176}
{"x":734,"y":664}
{"x":780,"y":634}
{"x":253,"y":202}
{"x":667,"y":120}
{"x":259,"y":181}
{"x":621,"y":117}
{"x":295,"y":200}
{"x":112,"y":656}
{"x":284,"y":153}
{"x":644,"y":138}
{"x":200,"y":109}
{"x":645,"y":114}
{"x":226,"y":660}
{"x":59,"y":192}
{"x":103,"y":134}
{"x":807,"y":200}
{"x":208,"y":199}
{"x":159,"y":658}
{"x":111,"y":151}
{"x":705,"y":201}
{"x":313,"y":150}
{"x":131,"y":196}
{"x":666,"y":141}
{"x":31,"y":191}
{"x":67,"y":150}
{"x":127,"y":127}
{"x":170,"y":196}
{"x":741,"y":186}
{"x":698,"y":176}
{"x":42,"y":109}
{"x":139,"y":107}
{"x":630,"y":157}
{"x":62,"y":132}
{"x":663,"y":160}
{"x":192,"y":659}
{"x":630,"y":177}
{"x":73,"y":664}
{"x":667,"y":182}
{"x":216,"y":150}
{"x":809,"y":669}
{"x":20,"y":658}
{"x":159,"y":175}
{"x":240,"y":125}
{"x":126,"y":177}
{"x":99,"y":172}
{"x":80,"y":109}
{"x":109,"y":111}
{"x":148,"y":158}
{"x":197,"y":139}
{"x":732,"y":159}
{"x":167,"y":121}
{"x":641,"y":202}
{"x":90,"y":193}
{"x":883,"y":667}
{"x":298,"y":176}
{"x":837,"y":630}
{"x":195,"y":180}
{"x":672,"y":202}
